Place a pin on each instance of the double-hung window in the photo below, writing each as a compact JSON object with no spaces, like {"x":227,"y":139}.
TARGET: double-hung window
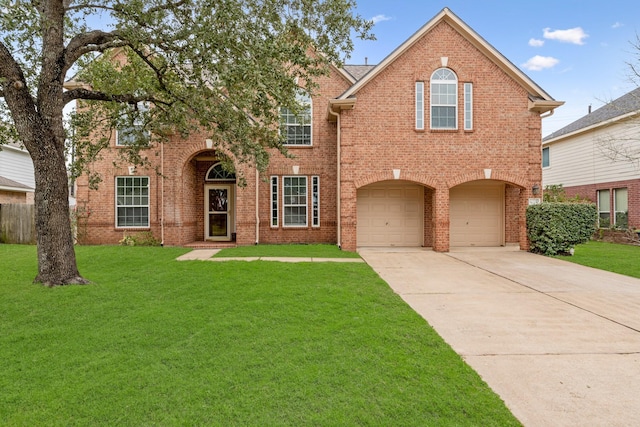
{"x":294,"y":203}
{"x":621,"y":207}
{"x":444,"y":99}
{"x":132,"y":201}
{"x":604,"y":209}
{"x":296,"y":125}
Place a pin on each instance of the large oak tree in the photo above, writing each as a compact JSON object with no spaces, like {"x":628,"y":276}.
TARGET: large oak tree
{"x":220,"y":66}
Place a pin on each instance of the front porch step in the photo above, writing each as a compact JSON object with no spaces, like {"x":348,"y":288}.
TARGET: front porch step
{"x":210,"y":245}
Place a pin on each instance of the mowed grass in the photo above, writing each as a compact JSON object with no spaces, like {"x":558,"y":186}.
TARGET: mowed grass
{"x":618,"y":258}
{"x":304,"y":251}
{"x":157,"y":342}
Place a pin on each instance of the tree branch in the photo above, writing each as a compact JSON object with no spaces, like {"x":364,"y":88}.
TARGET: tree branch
{"x":93,"y":41}
{"x":92,"y":95}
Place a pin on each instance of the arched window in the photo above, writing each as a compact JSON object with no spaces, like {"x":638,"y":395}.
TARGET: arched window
{"x":296,"y":129}
{"x":444,"y":99}
{"x":217,"y":173}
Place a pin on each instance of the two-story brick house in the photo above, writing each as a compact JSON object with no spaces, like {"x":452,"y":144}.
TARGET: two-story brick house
{"x":439,"y":145}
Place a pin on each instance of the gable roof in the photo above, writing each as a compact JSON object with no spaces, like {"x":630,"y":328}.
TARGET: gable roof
{"x":11,"y":185}
{"x":358,"y":71}
{"x":626,"y":106}
{"x":540,"y":100}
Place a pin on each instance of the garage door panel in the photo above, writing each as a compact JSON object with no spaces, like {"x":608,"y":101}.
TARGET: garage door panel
{"x":390,"y":214}
{"x":477,"y":214}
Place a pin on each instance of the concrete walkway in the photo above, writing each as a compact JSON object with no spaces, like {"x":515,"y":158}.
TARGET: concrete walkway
{"x":207,"y":254}
{"x":560,"y":343}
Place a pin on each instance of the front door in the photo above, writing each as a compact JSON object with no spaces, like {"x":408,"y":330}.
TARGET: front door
{"x":218,"y":202}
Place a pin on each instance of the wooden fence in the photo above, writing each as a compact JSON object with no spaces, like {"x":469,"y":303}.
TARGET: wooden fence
{"x":17,"y":223}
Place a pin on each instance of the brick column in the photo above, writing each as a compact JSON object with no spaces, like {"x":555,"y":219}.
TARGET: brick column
{"x":441,"y":220}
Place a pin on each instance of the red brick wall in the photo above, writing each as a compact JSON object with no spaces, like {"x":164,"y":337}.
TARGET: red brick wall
{"x":377,"y":137}
{"x":379,"y":134}
{"x":13,"y":197}
{"x":633,"y":192}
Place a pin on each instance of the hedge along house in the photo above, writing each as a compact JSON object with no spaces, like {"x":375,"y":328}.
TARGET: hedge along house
{"x":439,"y":145}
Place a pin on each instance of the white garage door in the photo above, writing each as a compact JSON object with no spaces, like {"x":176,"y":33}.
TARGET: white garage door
{"x":390,"y":214}
{"x":476,"y":214}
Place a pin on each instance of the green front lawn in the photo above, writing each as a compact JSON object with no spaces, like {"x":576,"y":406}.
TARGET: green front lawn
{"x":157,"y":342}
{"x":618,"y":258}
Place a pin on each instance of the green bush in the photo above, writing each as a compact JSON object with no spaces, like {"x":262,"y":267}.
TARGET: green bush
{"x":555,"y":228}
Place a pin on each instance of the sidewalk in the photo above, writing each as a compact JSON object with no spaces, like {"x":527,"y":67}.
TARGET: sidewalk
{"x":207,"y":254}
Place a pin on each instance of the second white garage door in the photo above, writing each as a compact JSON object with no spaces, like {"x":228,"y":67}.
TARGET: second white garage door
{"x":390,"y":214}
{"x":476,"y":214}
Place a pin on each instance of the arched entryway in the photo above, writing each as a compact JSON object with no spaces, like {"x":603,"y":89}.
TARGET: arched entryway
{"x":219,"y":204}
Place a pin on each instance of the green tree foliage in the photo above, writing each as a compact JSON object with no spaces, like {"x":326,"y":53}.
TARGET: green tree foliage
{"x":555,"y":228}
{"x":220,"y":66}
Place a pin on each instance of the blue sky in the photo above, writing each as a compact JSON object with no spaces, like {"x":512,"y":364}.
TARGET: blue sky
{"x":577,"y":50}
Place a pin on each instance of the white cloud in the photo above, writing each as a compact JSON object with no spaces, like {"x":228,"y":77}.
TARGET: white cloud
{"x":617,"y":25}
{"x":380,"y":18}
{"x":538,"y":63}
{"x":572,"y":35}
{"x":536,"y":42}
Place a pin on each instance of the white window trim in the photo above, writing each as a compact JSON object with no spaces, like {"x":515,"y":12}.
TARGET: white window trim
{"x":274,"y":206}
{"x":306,"y":203}
{"x":310,"y":144}
{"x":431,"y":104}
{"x":315,"y":201}
{"x":419,"y":105}
{"x":615,"y":204}
{"x":148,"y":205}
{"x":468,"y":106}
{"x":598,"y":205}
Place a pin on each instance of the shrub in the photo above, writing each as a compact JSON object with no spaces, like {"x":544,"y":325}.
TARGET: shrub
{"x":555,"y":228}
{"x":143,"y":238}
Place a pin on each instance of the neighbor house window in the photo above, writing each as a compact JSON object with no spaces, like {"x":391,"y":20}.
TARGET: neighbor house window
{"x":444,"y":99}
{"x":420,"y":105}
{"x":621,"y":207}
{"x":315,"y":201}
{"x":274,"y":201}
{"x":545,"y":157}
{"x":134,"y":133}
{"x":604,"y":209}
{"x":132,"y":201}
{"x":294,"y":189}
{"x":296,"y":128}
{"x":468,"y":106}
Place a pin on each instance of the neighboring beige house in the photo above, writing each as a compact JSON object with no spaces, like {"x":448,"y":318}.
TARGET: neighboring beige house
{"x":17,"y":181}
{"x":598,"y":157}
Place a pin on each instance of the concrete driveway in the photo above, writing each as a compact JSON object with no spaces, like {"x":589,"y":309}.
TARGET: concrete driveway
{"x":560,"y":343}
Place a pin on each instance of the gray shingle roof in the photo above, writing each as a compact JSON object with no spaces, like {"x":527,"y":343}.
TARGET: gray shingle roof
{"x":6,"y":182}
{"x":627,"y":103}
{"x":358,"y":71}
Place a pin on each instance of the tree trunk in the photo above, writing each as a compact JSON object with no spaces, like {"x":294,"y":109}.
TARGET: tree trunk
{"x":56,"y":254}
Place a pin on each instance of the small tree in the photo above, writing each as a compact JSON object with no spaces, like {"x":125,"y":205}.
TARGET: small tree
{"x":221,"y":66}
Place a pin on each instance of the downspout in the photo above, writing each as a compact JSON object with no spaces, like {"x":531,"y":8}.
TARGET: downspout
{"x":257,"y":207}
{"x":161,"y":194}
{"x":338,"y":221}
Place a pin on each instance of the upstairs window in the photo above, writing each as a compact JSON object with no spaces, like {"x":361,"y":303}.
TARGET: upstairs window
{"x":468,"y":106}
{"x":545,"y":157}
{"x":296,"y":128}
{"x":444,"y":99}
{"x":133,"y":131}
